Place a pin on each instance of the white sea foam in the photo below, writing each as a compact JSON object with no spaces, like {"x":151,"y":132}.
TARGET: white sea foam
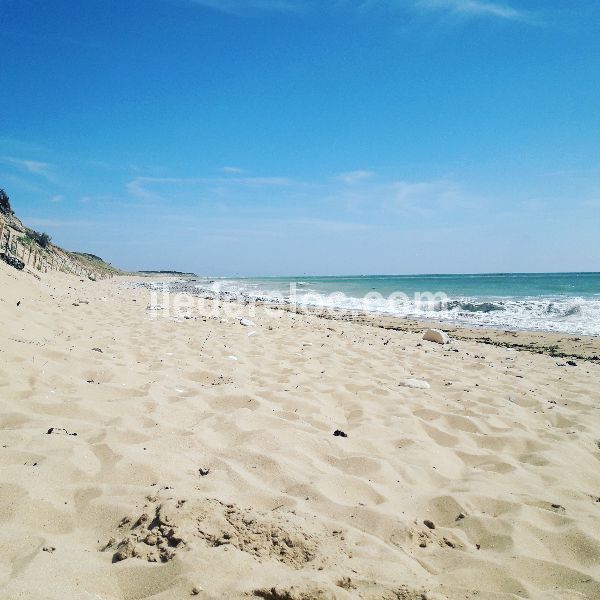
{"x":561,"y":314}
{"x":565,"y":314}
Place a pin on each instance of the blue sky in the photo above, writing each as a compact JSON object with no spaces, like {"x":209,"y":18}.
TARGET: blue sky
{"x":266,"y":137}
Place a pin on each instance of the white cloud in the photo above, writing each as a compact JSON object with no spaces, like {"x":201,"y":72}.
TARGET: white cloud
{"x":34,"y":166}
{"x":405,"y":197}
{"x":497,"y":9}
{"x":351,"y":177}
{"x":356,"y":194}
{"x":31,"y":166}
{"x":233,"y":170}
{"x":205,"y":189}
{"x":465,"y":8}
{"x":422,"y":191}
{"x":240,"y":7}
{"x":473,"y":8}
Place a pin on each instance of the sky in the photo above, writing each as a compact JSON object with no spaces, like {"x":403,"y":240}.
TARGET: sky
{"x":299,"y":137}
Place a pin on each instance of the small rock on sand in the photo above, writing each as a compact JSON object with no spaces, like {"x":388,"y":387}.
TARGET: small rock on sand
{"x":437,"y":336}
{"x":415,"y":383}
{"x":246,"y":322}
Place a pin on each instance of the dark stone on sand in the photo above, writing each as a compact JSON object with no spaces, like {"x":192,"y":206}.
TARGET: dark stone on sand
{"x":429,"y":524}
{"x":340,"y":433}
{"x":571,"y":363}
{"x":203,"y":472}
{"x":58,"y":430}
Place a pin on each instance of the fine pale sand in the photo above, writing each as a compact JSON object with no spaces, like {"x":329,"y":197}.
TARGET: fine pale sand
{"x":205,"y":462}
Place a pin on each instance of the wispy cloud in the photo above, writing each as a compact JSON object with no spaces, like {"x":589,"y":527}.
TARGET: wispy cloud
{"x":31,"y":166}
{"x":31,"y":172}
{"x":474,"y":8}
{"x":395,"y":197}
{"x":233,"y":170}
{"x":157,"y":188}
{"x":410,"y":191}
{"x":465,"y":9}
{"x":356,"y":194}
{"x":242,"y":7}
{"x":351,"y":177}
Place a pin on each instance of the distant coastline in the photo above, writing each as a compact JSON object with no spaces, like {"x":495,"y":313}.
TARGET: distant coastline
{"x":167,"y":273}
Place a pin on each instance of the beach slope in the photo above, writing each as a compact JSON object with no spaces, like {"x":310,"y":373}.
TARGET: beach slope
{"x":153,"y":454}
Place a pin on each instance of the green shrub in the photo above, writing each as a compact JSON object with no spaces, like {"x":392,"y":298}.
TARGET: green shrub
{"x":5,"y":208}
{"x":43,"y":239}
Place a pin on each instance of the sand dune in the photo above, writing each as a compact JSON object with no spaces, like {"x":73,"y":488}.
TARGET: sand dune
{"x":146,"y":455}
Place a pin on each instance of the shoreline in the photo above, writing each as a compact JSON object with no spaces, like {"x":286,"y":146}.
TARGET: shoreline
{"x":554,"y":344}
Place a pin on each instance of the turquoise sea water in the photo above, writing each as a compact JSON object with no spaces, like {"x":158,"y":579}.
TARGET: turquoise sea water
{"x":563,"y":302}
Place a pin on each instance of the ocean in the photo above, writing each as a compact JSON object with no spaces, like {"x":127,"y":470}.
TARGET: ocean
{"x":559,"y":302}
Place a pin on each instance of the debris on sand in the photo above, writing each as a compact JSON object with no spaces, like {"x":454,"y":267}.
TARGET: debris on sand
{"x":58,"y":430}
{"x":294,"y":593}
{"x":437,"y":336}
{"x":419,"y":384}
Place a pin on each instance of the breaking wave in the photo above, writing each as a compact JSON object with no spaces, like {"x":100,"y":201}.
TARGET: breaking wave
{"x":560,"y":313}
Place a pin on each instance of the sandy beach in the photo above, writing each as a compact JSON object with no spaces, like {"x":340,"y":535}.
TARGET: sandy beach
{"x":166,"y":456}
